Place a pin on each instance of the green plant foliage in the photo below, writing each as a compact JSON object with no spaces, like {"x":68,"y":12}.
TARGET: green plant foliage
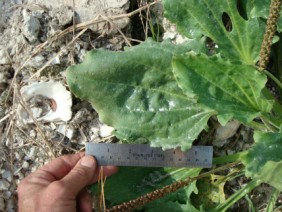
{"x":210,"y":191}
{"x":135,"y":92}
{"x":132,"y":182}
{"x":233,"y":90}
{"x":264,"y":160}
{"x":197,"y":18}
{"x":260,"y":9}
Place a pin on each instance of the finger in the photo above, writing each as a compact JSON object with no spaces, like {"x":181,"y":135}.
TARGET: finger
{"x":85,"y":201}
{"x":80,"y":176}
{"x":59,"y":167}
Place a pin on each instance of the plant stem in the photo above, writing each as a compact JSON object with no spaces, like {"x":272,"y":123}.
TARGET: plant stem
{"x":238,"y":195}
{"x":159,"y":193}
{"x":271,"y":76}
{"x":228,"y":158}
{"x":273,"y":198}
{"x":270,"y":30}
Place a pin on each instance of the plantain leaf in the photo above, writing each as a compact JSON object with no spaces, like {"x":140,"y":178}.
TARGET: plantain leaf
{"x":236,"y":38}
{"x":232,"y":89}
{"x":135,"y":92}
{"x":260,"y":8}
{"x":264,"y":160}
{"x":140,"y":181}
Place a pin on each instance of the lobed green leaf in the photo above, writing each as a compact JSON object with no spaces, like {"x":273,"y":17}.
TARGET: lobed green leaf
{"x":196,"y":18}
{"x":136,"y":93}
{"x":231,"y":89}
{"x":264,"y":160}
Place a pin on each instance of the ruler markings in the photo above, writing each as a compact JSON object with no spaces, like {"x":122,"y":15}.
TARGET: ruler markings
{"x":144,"y":155}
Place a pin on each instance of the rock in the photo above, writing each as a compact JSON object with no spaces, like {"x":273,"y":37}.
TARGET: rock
{"x":32,"y":152}
{"x":10,"y":204}
{"x":86,"y":10}
{"x":227,"y":131}
{"x":4,"y":185}
{"x":105,"y":131}
{"x":66,"y":131}
{"x":37,"y":61}
{"x":25,"y":165}
{"x":7,"y":175}
{"x":4,"y":57}
{"x":31,"y":28}
{"x":6,"y":195}
{"x":62,"y":16}
{"x":2,"y":204}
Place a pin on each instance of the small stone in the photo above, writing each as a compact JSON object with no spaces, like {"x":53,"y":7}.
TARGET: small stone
{"x":25,"y":165}
{"x":169,"y":35}
{"x":106,"y":131}
{"x":31,"y":28}
{"x":10,"y":204}
{"x":7,"y":195}
{"x":7,"y":175}
{"x":180,"y":39}
{"x":2,"y":204}
{"x":32,"y":152}
{"x":4,"y":57}
{"x":66,"y":131}
{"x":63,"y":15}
{"x":227,"y":131}
{"x":32,"y":133}
{"x":37,"y":61}
{"x":4,"y":185}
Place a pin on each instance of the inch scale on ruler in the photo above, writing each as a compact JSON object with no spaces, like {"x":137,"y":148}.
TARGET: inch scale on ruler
{"x":144,"y":155}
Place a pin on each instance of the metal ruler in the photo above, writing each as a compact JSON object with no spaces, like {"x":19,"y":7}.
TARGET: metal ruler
{"x":144,"y":155}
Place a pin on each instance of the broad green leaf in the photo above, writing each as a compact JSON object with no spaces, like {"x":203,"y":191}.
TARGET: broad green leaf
{"x":197,"y":18}
{"x":232,"y":89}
{"x":264,"y":160}
{"x":260,"y":9}
{"x":132,"y":182}
{"x":136,"y":93}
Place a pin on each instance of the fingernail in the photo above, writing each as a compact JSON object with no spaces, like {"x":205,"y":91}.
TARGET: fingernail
{"x":88,"y":161}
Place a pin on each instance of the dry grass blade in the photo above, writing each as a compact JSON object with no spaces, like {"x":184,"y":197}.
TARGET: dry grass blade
{"x":101,"y":185}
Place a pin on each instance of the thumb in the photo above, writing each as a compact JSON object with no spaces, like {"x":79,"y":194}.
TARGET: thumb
{"x":80,"y":176}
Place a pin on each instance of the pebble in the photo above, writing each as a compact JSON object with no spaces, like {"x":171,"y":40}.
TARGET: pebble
{"x":37,"y":62}
{"x":7,"y":175}
{"x":66,"y":131}
{"x":227,"y":131}
{"x":63,"y":15}
{"x":4,"y":185}
{"x":10,"y":205}
{"x":31,"y":28}
{"x":25,"y":165}
{"x":105,"y":131}
{"x":32,"y":152}
{"x":4,"y":57}
{"x":7,"y":194}
{"x":2,"y":204}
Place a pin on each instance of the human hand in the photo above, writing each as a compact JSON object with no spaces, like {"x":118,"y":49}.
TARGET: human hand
{"x":60,"y":185}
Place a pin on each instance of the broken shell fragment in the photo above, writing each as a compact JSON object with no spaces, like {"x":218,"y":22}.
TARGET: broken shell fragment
{"x":48,"y":101}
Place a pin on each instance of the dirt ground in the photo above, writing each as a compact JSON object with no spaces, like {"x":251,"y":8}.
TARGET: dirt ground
{"x":38,"y":41}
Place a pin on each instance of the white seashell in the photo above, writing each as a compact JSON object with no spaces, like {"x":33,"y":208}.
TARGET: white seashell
{"x":48,"y":102}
